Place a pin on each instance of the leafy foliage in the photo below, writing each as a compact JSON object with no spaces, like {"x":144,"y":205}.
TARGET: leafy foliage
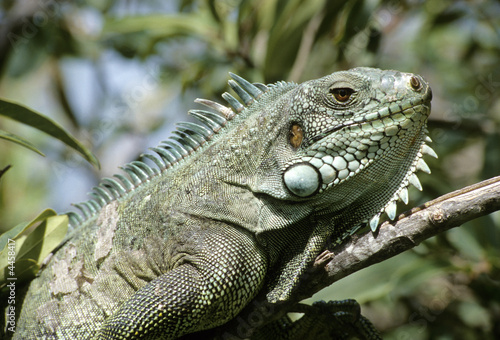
{"x":29,"y":117}
{"x":32,"y":243}
{"x":80,"y":56}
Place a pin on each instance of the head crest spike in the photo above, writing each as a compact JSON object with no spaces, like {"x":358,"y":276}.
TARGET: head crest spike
{"x":74,"y":218}
{"x":185,"y":139}
{"x":166,"y":155}
{"x":112,"y":183}
{"x":135,"y":179}
{"x":86,"y":209}
{"x":224,"y":110}
{"x":105,"y":194}
{"x":247,"y":99}
{"x":150,"y":172}
{"x":141,"y":174}
{"x":235,"y":104}
{"x":220,"y":120}
{"x":206,"y":119}
{"x":201,"y":130}
{"x":174,"y":149}
{"x":98,"y":200}
{"x":262,"y":87}
{"x":253,"y":90}
{"x":158,"y":161}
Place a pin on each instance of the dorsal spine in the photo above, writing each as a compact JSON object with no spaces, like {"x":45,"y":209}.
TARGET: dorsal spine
{"x":186,"y":139}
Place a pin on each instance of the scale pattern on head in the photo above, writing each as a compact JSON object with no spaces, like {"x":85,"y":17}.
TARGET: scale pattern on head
{"x":363,"y":125}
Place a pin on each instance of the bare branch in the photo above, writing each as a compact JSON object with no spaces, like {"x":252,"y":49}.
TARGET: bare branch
{"x":409,"y":230}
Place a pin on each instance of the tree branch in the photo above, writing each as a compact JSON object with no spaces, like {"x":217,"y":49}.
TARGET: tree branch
{"x":407,"y":231}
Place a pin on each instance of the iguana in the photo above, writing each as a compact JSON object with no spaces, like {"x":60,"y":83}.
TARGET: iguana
{"x":239,"y":204}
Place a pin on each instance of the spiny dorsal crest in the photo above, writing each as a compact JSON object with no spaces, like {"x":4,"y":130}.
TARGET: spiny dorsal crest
{"x":186,"y":139}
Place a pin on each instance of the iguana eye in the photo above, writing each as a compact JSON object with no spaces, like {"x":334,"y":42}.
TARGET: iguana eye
{"x":342,"y":94}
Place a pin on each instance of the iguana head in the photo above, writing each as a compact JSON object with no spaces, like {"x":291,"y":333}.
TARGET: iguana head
{"x":359,"y":137}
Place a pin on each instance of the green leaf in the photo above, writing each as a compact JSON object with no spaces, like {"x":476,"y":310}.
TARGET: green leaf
{"x":19,"y":229}
{"x":285,"y":37}
{"x":19,"y":140}
{"x":47,"y":236}
{"x":162,"y":26}
{"x":24,"y":247}
{"x":37,"y":120}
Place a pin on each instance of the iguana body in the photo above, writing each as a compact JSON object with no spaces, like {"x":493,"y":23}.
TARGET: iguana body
{"x":240,"y":204}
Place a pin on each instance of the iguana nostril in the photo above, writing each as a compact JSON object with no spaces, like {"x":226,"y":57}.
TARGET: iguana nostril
{"x":415,"y":83}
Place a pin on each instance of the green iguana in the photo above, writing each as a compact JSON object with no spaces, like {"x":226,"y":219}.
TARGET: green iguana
{"x":238,"y":205}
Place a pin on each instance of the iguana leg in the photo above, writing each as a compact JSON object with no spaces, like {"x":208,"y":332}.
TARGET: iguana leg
{"x":322,"y":321}
{"x":205,"y":291}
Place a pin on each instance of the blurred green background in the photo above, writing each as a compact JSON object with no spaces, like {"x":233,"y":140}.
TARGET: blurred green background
{"x":119,"y":74}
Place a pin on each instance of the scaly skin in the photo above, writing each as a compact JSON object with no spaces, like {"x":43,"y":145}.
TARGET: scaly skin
{"x":235,"y":210}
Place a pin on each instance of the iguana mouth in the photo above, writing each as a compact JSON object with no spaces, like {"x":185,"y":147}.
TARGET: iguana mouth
{"x":320,"y":136}
{"x":371,"y":117}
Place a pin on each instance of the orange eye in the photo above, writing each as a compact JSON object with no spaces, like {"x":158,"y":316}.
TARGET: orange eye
{"x":296,"y":135}
{"x":342,"y":94}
